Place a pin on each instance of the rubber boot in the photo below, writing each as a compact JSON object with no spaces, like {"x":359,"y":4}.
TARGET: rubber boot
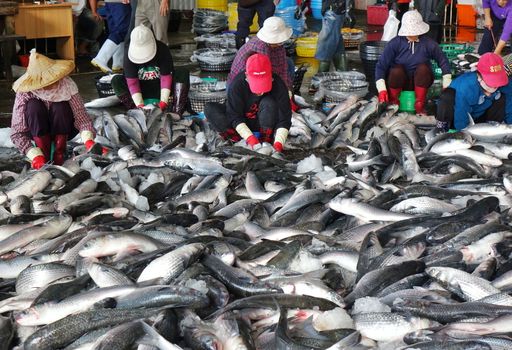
{"x":118,"y":59}
{"x":394,"y":94}
{"x":60,"y":149}
{"x":45,"y":144}
{"x":239,"y":42}
{"x":421,"y":99}
{"x":266,"y":135}
{"x":104,"y":55}
{"x":324,"y":66}
{"x":180,"y":98}
{"x":340,"y":62}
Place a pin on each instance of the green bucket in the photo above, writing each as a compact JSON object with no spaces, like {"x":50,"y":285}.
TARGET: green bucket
{"x":407,"y":99}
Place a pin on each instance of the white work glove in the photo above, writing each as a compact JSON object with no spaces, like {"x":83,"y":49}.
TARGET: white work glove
{"x":381,"y":85}
{"x":447,"y":80}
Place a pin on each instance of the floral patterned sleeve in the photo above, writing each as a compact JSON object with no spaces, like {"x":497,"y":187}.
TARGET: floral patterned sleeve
{"x":20,"y":133}
{"x":82,"y":119}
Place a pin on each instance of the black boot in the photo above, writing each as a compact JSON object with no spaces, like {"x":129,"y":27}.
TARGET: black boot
{"x":340,"y":62}
{"x":324,"y":66}
{"x":239,"y":42}
{"x":179,"y":98}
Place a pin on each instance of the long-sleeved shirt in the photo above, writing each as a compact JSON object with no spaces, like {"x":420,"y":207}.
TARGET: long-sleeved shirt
{"x":276,"y":54}
{"x":470,"y":99}
{"x":503,"y":13}
{"x":400,"y":51}
{"x":150,"y":77}
{"x":507,"y":91}
{"x":20,"y":132}
{"x":242,"y":105}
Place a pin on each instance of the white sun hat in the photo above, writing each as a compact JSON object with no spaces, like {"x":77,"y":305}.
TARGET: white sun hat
{"x":274,"y":31}
{"x":142,"y":47}
{"x":412,"y":24}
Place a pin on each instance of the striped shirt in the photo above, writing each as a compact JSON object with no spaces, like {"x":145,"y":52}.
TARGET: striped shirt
{"x":277,"y":57}
{"x":20,"y":132}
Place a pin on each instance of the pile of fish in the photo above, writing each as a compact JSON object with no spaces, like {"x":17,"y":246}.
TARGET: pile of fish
{"x":369,"y":231}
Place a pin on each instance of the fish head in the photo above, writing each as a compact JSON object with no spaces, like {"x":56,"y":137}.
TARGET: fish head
{"x":93,"y":247}
{"x":28,"y":317}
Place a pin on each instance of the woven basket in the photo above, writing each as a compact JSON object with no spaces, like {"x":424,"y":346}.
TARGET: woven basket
{"x":199,"y":99}
{"x":221,"y":67}
{"x":337,"y":90}
{"x":215,"y":60}
{"x":352,"y":37}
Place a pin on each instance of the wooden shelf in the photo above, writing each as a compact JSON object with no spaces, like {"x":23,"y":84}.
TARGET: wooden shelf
{"x":48,"y":21}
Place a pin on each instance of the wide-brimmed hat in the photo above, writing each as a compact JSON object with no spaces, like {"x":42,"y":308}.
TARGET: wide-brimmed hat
{"x":41,"y":72}
{"x":142,"y":47}
{"x":274,"y":31}
{"x":412,"y":24}
{"x":258,"y":71}
{"x":491,"y":68}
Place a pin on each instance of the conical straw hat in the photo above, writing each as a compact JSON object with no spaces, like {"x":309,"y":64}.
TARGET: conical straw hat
{"x":42,"y":71}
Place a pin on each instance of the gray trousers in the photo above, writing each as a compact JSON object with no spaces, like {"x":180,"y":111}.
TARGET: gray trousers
{"x":148,"y":13}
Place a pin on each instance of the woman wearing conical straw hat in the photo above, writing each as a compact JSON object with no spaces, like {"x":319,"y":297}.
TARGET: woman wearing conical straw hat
{"x":48,"y":108}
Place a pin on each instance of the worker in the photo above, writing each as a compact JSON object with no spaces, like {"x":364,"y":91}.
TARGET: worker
{"x":476,"y":94}
{"x":330,"y":46}
{"x":405,"y":63}
{"x":257,"y":108}
{"x":268,"y":41}
{"x":149,"y":75}
{"x":118,"y":21}
{"x":48,"y":108}
{"x":154,"y":14}
{"x":498,"y":26}
{"x":246,"y":11}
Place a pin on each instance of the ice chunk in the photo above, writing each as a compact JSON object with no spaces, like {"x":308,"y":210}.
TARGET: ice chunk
{"x":336,"y":318}
{"x":369,"y":305}
{"x":305,"y":262}
{"x":310,"y":164}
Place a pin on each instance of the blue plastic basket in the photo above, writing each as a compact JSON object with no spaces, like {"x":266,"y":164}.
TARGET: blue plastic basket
{"x":317,"y":13}
{"x":286,"y":3}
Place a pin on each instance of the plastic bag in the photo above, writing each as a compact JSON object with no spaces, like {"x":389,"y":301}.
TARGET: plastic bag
{"x":391,"y":27}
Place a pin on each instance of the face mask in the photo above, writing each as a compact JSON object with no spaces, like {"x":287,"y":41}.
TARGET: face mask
{"x":487,"y":87}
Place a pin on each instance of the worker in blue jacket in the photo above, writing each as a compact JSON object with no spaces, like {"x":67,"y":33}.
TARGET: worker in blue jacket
{"x":405,"y":63}
{"x":481,"y":95}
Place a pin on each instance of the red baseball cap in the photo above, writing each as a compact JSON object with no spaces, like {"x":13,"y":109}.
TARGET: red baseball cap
{"x":492,"y":69}
{"x":258,"y":70}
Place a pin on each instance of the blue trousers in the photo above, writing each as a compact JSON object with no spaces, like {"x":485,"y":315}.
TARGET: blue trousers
{"x":118,"y":19}
{"x":330,"y":40}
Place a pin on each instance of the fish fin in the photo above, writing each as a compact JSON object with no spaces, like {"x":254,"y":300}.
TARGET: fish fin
{"x":125,"y":253}
{"x":470,"y":120}
{"x":154,"y":338}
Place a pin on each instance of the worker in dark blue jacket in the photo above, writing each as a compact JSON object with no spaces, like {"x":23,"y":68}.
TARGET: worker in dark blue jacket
{"x":481,"y":95}
{"x":405,"y":63}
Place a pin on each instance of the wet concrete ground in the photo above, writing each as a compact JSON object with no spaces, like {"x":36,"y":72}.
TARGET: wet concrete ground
{"x":183,"y":44}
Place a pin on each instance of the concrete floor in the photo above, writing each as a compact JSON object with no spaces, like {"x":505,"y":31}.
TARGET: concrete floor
{"x":183,"y":44}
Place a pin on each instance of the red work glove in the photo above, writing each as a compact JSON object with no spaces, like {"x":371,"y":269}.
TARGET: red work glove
{"x":38,"y":162}
{"x":278,"y":146}
{"x":141,"y":105}
{"x":383,"y":96}
{"x":90,"y":144}
{"x":294,"y":106}
{"x":162,"y":105}
{"x":252,"y":141}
